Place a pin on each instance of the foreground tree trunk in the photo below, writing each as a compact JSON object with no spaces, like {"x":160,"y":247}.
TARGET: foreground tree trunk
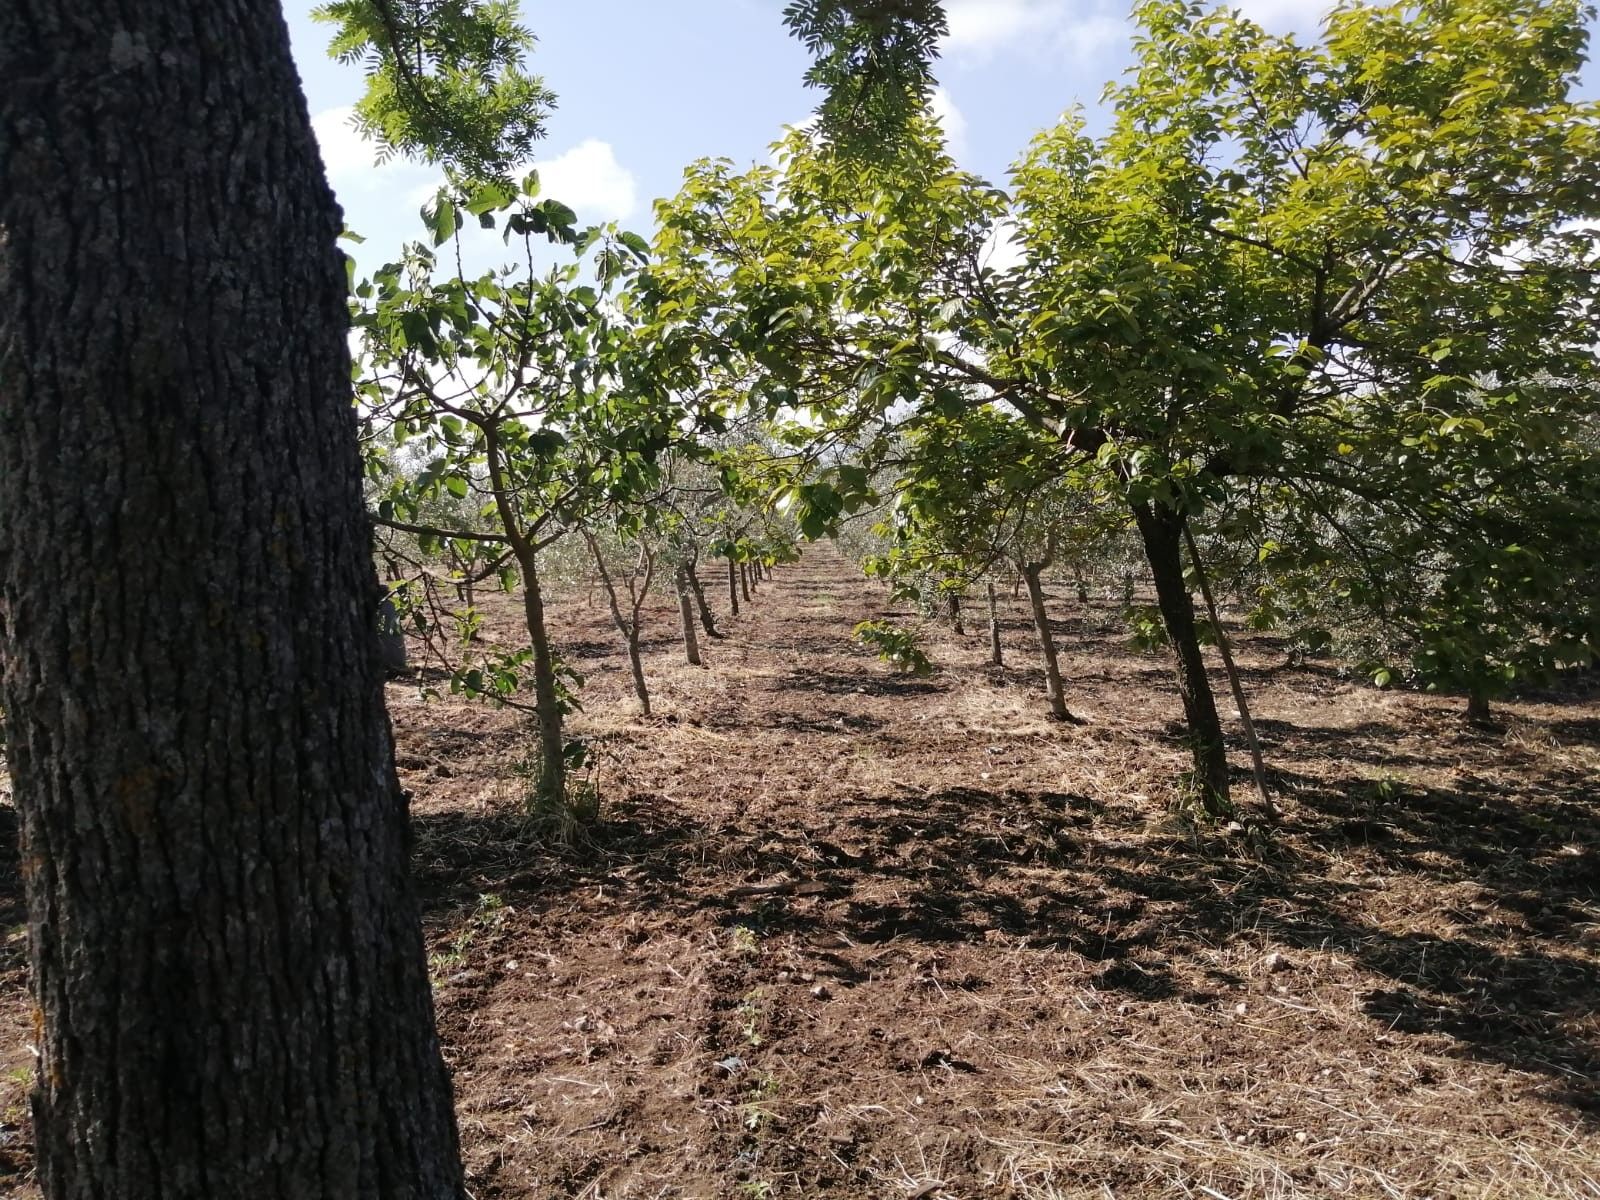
{"x":1054,"y":689}
{"x":227,"y":963}
{"x":733,"y":586}
{"x":1161,"y":530}
{"x":953,"y":604}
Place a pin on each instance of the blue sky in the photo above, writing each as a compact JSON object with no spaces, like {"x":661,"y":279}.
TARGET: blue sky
{"x":648,"y":86}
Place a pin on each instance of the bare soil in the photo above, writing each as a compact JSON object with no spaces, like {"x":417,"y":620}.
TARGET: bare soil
{"x":842,"y":933}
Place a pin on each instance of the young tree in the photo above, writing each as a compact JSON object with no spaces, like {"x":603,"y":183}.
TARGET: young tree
{"x":515,"y":389}
{"x":226,"y":957}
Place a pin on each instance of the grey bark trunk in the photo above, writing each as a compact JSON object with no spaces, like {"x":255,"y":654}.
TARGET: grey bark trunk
{"x":708,"y":622}
{"x":733,"y":586}
{"x":1161,"y":530}
{"x":548,"y":719}
{"x":1478,"y":711}
{"x":391,"y":639}
{"x":1258,"y":765}
{"x":996,"y":656}
{"x":1054,"y":689}
{"x":691,"y":642}
{"x":953,"y":603}
{"x":227,"y":962}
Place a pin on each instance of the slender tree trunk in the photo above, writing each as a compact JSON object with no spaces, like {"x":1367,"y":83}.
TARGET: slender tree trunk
{"x":744,"y":582}
{"x":641,"y":689}
{"x":547,"y":718}
{"x":708,"y":622}
{"x":996,"y":656}
{"x":629,"y":629}
{"x":228,"y":970}
{"x":691,"y":643}
{"x":1257,"y":765}
{"x":733,"y":586}
{"x":391,"y":635}
{"x":768,"y":568}
{"x":1161,"y":530}
{"x":391,"y":638}
{"x":1054,"y":690}
{"x":953,"y":604}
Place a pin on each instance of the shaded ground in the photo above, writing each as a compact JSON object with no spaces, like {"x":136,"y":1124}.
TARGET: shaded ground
{"x":844,"y":934}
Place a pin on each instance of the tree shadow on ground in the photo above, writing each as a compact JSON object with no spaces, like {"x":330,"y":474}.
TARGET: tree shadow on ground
{"x":836,"y":683}
{"x":1141,"y":910}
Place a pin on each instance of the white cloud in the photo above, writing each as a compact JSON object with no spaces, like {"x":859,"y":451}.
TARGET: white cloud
{"x":952,"y":120}
{"x":352,"y":161}
{"x":589,"y":179}
{"x":1081,"y":29}
{"x":1281,"y":16}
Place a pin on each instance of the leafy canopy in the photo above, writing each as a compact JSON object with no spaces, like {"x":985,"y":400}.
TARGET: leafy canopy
{"x":445,"y":81}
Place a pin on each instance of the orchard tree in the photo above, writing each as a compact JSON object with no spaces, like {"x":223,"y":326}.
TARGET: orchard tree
{"x":1341,"y":270}
{"x":986,"y":489}
{"x":520,"y":392}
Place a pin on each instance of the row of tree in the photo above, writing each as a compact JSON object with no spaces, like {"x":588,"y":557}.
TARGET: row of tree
{"x":1325,"y":310}
{"x":1318,"y":316}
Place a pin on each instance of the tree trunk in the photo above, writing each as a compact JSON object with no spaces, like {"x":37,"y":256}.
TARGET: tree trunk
{"x":1257,"y":765}
{"x":548,"y":720}
{"x":691,"y":643}
{"x":628,"y":628}
{"x":707,"y":621}
{"x":1161,"y":530}
{"x":733,"y":586}
{"x":996,"y":656}
{"x":227,"y":965}
{"x":744,"y":582}
{"x":391,"y":639}
{"x":953,"y":603}
{"x":1054,"y":690}
{"x":1478,"y":712}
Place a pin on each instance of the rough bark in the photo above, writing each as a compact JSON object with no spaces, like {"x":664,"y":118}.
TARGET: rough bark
{"x":733,"y":586}
{"x":226,"y":957}
{"x":1054,"y":688}
{"x":1161,"y":531}
{"x":691,"y":642}
{"x":996,"y":656}
{"x":744,"y":582}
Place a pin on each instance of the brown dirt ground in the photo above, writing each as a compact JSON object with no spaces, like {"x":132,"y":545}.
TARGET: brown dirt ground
{"x":847,"y":934}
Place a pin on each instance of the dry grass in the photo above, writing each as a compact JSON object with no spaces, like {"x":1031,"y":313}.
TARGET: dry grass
{"x":848,"y":935}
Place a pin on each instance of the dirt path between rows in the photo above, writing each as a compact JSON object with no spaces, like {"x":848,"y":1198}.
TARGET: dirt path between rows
{"x":849,"y":934}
